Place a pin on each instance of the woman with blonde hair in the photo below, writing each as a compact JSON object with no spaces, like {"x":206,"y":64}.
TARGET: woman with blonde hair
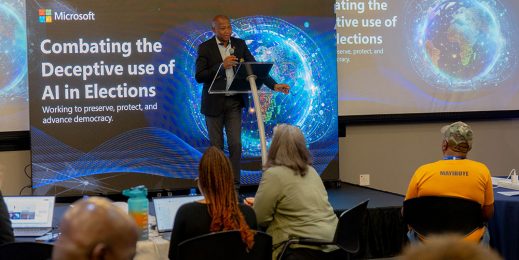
{"x":291,"y":199}
{"x":219,"y":210}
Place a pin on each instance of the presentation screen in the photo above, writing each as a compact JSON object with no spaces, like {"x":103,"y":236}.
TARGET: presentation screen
{"x":114,"y":101}
{"x":14,"y":112}
{"x":427,"y":56}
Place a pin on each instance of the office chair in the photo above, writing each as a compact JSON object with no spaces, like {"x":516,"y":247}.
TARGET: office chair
{"x":26,"y":251}
{"x":347,"y":233}
{"x":436,"y":215}
{"x":225,"y":245}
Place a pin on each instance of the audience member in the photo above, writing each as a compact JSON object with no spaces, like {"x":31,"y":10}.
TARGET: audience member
{"x":455,"y":176}
{"x":219,"y":210}
{"x":6,"y":230}
{"x":449,"y":247}
{"x":96,"y":229}
{"x":291,"y":199}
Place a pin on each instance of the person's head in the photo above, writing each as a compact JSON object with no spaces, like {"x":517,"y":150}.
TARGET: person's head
{"x":96,"y":229}
{"x":457,"y":138}
{"x":215,"y":177}
{"x":222,"y":28}
{"x":216,"y":183}
{"x":288,"y":148}
{"x":448,"y":247}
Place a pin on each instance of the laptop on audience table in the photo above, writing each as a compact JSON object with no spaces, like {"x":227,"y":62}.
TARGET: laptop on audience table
{"x":166,"y":209}
{"x":31,"y":216}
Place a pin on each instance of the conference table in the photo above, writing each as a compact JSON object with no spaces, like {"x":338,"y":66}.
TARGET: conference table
{"x":504,"y":226}
{"x":383,"y":234}
{"x":155,"y":248}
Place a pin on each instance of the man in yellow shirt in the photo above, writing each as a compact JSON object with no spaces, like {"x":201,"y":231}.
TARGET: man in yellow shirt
{"x":455,"y":176}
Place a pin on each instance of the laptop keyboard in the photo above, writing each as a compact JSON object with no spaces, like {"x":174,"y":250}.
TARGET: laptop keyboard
{"x":30,"y":232}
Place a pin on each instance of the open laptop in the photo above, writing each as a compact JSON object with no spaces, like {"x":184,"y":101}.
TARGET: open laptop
{"x":166,"y":209}
{"x":31,"y":216}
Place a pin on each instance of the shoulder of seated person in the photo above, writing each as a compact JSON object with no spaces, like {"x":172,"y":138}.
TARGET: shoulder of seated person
{"x":193,"y":204}
{"x":281,"y":170}
{"x":278,"y":169}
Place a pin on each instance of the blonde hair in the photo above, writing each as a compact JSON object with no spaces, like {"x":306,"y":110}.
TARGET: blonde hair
{"x":288,"y":148}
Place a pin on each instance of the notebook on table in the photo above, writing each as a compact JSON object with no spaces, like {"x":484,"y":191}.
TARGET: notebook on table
{"x":166,"y":209}
{"x":31,"y":216}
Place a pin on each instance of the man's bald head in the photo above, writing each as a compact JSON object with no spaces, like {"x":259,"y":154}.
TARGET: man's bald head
{"x":219,"y":19}
{"x":96,"y":229}
{"x":222,"y":28}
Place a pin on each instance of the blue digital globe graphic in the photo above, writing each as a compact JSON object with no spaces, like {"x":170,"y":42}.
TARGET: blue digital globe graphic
{"x":460,"y":45}
{"x":13,"y":53}
{"x":298,"y":61}
{"x":301,"y":58}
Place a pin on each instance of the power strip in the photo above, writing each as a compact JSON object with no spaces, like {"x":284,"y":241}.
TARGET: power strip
{"x":508,"y":184}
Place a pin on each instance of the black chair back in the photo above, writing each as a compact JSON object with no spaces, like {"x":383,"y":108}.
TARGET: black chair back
{"x":26,"y":251}
{"x":347,"y":235}
{"x":437,"y":215}
{"x":225,"y":245}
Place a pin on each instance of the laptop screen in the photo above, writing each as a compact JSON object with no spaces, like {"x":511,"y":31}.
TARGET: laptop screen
{"x":30,"y":211}
{"x":166,"y":209}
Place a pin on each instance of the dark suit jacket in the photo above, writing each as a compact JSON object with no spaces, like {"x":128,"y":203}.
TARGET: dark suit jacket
{"x":207,"y":64}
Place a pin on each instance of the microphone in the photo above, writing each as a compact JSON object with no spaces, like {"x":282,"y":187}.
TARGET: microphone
{"x":231,"y":52}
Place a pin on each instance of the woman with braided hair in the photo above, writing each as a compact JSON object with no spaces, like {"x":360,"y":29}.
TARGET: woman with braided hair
{"x":219,"y":210}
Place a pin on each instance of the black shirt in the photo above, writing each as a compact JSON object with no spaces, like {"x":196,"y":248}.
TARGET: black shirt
{"x":193,"y":220}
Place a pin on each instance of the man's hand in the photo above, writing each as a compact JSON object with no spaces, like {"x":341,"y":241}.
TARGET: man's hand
{"x":283,"y":88}
{"x":230,"y":62}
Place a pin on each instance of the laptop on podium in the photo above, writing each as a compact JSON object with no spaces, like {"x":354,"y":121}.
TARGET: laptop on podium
{"x":31,"y":216}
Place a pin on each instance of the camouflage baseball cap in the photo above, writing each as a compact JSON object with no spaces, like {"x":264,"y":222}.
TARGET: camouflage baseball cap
{"x":459,"y":136}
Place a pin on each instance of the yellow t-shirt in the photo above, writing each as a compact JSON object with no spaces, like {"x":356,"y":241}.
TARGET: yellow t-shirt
{"x":454,"y":178}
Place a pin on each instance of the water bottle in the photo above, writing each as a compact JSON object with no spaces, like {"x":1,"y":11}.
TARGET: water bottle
{"x":138,"y":208}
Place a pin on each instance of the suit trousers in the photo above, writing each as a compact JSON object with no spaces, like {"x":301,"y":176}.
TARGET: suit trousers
{"x":230,"y":119}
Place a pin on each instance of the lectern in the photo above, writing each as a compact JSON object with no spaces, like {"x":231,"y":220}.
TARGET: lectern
{"x":247,"y":75}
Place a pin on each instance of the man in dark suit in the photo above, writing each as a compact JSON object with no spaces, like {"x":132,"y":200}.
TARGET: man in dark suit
{"x":223,"y":110}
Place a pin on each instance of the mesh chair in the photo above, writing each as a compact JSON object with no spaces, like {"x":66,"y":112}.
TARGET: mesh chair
{"x":436,"y":215}
{"x":26,"y":251}
{"x":225,"y":245}
{"x":347,"y":233}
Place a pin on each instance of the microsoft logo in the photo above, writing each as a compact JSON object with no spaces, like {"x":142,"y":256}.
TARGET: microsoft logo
{"x":45,"y":15}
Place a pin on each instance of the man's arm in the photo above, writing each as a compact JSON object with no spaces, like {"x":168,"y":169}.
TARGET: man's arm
{"x":488,"y":204}
{"x":488,"y":211}
{"x":412,"y":191}
{"x":269,"y":81}
{"x":204,"y":73}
